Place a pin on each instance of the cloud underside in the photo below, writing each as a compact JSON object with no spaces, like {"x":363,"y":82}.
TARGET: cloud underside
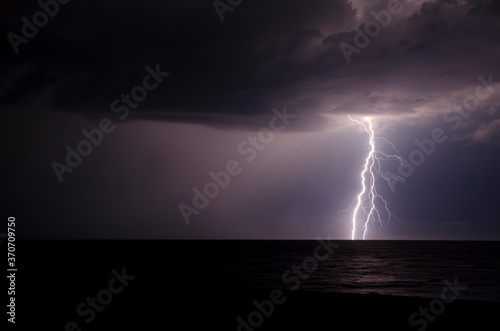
{"x":424,"y":63}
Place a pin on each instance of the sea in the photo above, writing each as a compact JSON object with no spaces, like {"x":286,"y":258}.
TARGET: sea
{"x":394,"y":268}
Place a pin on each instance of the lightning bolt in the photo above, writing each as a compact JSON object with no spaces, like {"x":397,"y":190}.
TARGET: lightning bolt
{"x":369,"y":204}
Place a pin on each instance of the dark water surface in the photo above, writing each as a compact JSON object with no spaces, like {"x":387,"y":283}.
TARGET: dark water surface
{"x":396,"y":268}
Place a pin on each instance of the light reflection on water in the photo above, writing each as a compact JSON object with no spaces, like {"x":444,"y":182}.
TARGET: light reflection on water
{"x":408,"y":268}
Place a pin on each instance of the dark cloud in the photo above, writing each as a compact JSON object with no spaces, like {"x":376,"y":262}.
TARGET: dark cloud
{"x":262,"y":56}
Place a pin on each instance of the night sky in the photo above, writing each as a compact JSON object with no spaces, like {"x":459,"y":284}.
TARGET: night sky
{"x":176,"y":93}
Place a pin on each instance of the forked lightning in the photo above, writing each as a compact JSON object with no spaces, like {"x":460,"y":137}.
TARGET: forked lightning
{"x":370,"y":205}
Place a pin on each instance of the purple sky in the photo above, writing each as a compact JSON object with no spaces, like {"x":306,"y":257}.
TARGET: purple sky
{"x":225,"y":78}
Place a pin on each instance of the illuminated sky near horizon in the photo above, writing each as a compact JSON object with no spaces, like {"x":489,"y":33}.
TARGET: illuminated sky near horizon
{"x":225,"y":79}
